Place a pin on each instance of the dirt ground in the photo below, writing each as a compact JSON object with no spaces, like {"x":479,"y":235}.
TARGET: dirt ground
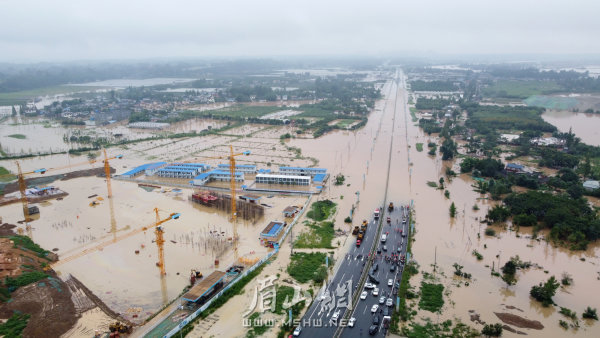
{"x":49,"y":304}
{"x":55,"y":306}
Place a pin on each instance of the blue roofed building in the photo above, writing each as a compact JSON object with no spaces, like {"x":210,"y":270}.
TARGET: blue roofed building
{"x":272,"y":233}
{"x":177,"y":172}
{"x":244,"y":168}
{"x":300,"y":171}
{"x":216,"y":175}
{"x":139,"y":170}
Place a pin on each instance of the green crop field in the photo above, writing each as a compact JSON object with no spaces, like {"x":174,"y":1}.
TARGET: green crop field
{"x":551,"y":102}
{"x":21,"y":97}
{"x":520,"y":89}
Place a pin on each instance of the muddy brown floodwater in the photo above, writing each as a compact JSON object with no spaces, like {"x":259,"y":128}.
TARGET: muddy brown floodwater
{"x":455,"y":239}
{"x":585,"y":126}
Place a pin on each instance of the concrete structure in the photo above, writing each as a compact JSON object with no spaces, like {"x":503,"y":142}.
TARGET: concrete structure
{"x":299,"y":171}
{"x":547,"y":141}
{"x":216,"y":175}
{"x":290,"y":211}
{"x":271,"y":234}
{"x":243,"y":168}
{"x":251,"y":198}
{"x":148,"y":125}
{"x":283,"y":179}
{"x":591,"y":185}
{"x":509,"y":138}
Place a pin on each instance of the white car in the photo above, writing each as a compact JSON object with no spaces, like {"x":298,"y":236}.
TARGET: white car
{"x":374,"y":308}
{"x":336,"y":315}
{"x":389,"y":302}
{"x":382,"y":300}
{"x":369,"y":286}
{"x":375,"y":292}
{"x":297,"y":331}
{"x":351,"y":322}
{"x":390,"y":282}
{"x":363,"y":295}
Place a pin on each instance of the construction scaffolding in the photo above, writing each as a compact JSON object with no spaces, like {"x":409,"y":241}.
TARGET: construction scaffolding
{"x":245,"y":209}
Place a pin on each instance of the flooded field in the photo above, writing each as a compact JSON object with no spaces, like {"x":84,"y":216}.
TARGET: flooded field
{"x":445,"y":240}
{"x":127,"y":282}
{"x":585,"y":126}
{"x":130,"y":283}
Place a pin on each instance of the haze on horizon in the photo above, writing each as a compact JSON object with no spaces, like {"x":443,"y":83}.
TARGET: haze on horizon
{"x":37,"y":30}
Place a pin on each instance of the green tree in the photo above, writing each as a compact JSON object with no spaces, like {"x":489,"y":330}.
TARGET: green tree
{"x":590,"y":313}
{"x":575,"y":191}
{"x":92,"y":156}
{"x":586,"y":167}
{"x":492,"y":330}
{"x":441,"y":183}
{"x":544,"y":292}
{"x":508,"y":272}
{"x":452,"y":210}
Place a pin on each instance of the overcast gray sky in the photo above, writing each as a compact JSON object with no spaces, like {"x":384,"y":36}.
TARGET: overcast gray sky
{"x":54,"y":30}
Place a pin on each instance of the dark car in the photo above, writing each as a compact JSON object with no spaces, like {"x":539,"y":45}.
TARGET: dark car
{"x":376,"y":320}
{"x":386,"y":312}
{"x":373,"y":279}
{"x":378,"y":250}
{"x":373,"y":330}
{"x":375,"y":267}
{"x":392,"y":268}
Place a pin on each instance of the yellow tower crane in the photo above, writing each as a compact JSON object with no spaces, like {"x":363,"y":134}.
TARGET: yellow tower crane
{"x":23,"y":186}
{"x":231,"y":158}
{"x":160,"y":241}
{"x":107,"y":170}
{"x":22,"y":189}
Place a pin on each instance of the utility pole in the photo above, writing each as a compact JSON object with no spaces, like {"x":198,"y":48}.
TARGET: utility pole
{"x":435,"y":260}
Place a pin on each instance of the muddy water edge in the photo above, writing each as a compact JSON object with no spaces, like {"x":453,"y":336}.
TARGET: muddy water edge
{"x":443,"y":241}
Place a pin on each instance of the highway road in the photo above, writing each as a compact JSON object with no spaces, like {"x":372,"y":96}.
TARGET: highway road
{"x":319,"y":320}
{"x":385,"y":258}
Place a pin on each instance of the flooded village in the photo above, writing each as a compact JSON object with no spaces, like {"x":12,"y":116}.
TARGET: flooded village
{"x":146,"y":186}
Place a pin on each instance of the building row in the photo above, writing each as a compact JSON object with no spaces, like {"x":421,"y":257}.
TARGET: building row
{"x":200,"y":173}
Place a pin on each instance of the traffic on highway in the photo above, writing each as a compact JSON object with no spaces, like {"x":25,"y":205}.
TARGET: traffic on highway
{"x":372,"y":312}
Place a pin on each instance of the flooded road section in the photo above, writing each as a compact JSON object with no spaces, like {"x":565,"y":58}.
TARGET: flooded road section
{"x":454,"y":239}
{"x":585,"y":126}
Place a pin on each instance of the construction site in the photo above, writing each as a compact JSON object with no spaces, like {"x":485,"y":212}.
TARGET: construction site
{"x":136,"y":236}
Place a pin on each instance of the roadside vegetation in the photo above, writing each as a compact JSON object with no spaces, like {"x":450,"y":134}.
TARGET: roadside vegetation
{"x":305,"y":267}
{"x":321,"y":210}
{"x":320,"y":235}
{"x":431,"y":297}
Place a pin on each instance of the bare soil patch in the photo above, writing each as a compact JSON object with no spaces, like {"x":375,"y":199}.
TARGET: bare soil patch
{"x":519,"y":321}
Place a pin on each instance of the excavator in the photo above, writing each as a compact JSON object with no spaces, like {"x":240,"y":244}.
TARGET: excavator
{"x":195,"y":275}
